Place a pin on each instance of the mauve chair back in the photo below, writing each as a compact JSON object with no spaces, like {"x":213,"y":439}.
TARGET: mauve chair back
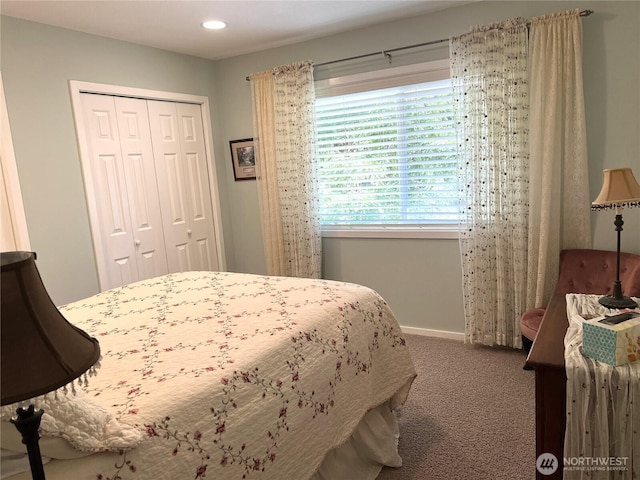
{"x":594,"y":271}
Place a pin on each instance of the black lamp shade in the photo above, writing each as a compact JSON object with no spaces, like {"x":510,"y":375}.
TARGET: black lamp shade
{"x":41,"y":350}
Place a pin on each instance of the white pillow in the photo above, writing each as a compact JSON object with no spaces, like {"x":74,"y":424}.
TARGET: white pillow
{"x":86,"y":426}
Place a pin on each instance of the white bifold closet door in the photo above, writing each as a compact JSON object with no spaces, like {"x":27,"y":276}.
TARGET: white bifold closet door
{"x":181,"y":167}
{"x":149,"y":186}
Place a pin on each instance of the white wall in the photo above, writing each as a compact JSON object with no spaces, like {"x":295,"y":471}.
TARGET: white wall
{"x":421,"y":279}
{"x":37,"y":63}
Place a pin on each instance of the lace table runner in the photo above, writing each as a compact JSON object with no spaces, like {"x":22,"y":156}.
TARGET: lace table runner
{"x":602,"y":438}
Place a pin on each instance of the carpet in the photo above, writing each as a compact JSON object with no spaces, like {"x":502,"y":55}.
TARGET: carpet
{"x":470,"y":414}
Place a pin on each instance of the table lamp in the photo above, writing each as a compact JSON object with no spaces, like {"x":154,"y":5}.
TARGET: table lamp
{"x":619,"y":189}
{"x":41,"y":350}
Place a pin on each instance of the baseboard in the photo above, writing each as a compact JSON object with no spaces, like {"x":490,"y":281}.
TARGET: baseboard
{"x":427,"y":332}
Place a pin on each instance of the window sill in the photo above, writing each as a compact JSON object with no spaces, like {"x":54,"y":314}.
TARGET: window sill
{"x":431,"y":231}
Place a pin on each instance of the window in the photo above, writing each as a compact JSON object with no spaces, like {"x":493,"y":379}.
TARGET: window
{"x":387,"y":151}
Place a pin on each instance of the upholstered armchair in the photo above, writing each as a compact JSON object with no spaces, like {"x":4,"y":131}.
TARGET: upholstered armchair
{"x":589,"y":272}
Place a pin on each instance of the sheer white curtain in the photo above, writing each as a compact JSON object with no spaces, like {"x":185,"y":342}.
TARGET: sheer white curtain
{"x":489,"y":73}
{"x":523,"y":166}
{"x":284,"y":139}
{"x":559,"y":215}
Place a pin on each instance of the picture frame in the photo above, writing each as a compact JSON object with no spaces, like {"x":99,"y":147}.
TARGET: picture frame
{"x":243,"y":158}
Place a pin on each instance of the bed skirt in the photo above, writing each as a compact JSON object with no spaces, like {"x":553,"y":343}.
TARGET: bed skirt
{"x":372,"y":445}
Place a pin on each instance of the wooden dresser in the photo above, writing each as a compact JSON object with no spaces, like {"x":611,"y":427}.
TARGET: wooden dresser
{"x":547,"y":359}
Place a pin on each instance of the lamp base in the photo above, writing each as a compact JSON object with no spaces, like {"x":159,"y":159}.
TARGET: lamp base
{"x":28,"y":423}
{"x":610,"y":301}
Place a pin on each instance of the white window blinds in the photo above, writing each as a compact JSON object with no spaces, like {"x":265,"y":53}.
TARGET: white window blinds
{"x":388,"y":156}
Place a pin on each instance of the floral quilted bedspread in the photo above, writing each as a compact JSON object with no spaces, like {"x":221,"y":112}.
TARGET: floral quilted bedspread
{"x":236,"y":376}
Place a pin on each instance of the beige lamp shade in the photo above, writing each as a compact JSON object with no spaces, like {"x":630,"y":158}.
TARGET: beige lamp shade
{"x":619,"y":186}
{"x":41,"y":350}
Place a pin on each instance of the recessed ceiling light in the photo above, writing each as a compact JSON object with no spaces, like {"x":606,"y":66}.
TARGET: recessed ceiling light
{"x":214,"y":25}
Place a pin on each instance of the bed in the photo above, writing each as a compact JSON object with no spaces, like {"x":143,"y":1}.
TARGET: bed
{"x":231,"y":376}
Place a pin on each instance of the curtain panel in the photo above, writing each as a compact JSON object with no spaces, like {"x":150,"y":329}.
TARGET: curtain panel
{"x":523,"y":166}
{"x":490,"y":82}
{"x":560,"y":209}
{"x":285,"y":145}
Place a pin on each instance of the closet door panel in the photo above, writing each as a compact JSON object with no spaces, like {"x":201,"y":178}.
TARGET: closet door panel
{"x":203,"y":251}
{"x":185,"y":196}
{"x":170,"y":174}
{"x":197,"y":177}
{"x":175,"y":195}
{"x":108,"y":188}
{"x":123,"y":271}
{"x":183,"y":258}
{"x":142,"y":188}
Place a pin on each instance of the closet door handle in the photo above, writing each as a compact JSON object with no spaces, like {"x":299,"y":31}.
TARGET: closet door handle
{"x":137,"y":242}
{"x":189,"y":232}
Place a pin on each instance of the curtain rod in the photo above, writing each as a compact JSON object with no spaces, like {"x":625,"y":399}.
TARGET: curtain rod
{"x":387,"y":53}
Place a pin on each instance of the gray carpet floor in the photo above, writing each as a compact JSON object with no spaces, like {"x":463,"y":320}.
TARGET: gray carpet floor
{"x":469,"y":415}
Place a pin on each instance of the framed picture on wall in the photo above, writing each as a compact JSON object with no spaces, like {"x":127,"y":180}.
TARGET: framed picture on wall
{"x":243,"y":158}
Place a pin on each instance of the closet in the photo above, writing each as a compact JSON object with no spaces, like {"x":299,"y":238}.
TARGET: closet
{"x":148,"y":187}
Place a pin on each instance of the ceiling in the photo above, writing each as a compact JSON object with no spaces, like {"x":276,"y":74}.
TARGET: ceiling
{"x":252,"y":25}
